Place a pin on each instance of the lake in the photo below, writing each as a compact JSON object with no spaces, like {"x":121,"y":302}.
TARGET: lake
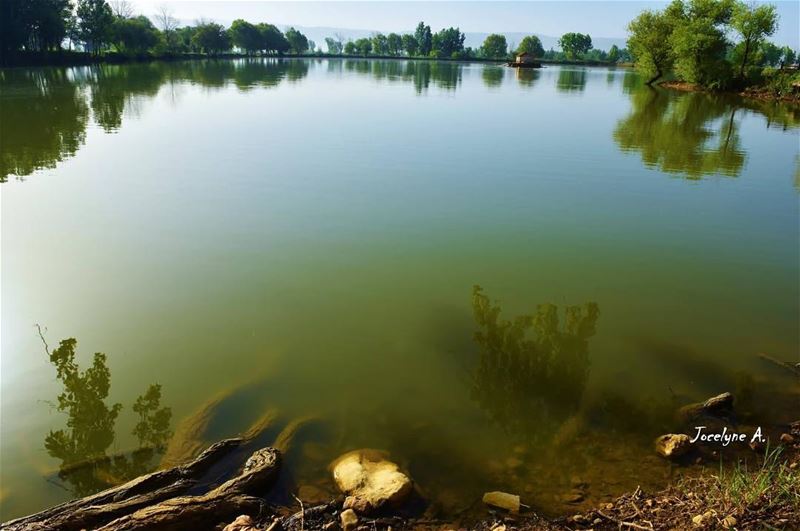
{"x":508,"y":279}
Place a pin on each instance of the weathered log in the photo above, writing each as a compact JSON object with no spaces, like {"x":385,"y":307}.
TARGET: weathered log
{"x":204,"y":511}
{"x":116,"y":501}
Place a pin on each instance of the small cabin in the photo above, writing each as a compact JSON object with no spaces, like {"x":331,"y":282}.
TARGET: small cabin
{"x":524,"y":58}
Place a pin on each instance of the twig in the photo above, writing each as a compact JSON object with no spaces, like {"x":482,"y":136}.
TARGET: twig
{"x":302,"y":513}
{"x":636,"y":526}
{"x":41,"y":336}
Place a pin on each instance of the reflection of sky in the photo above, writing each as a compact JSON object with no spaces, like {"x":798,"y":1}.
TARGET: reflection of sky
{"x":598,"y":18}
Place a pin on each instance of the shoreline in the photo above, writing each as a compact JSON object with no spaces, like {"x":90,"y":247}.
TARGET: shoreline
{"x":251,"y":489}
{"x":752,"y":93}
{"x":67,"y":58}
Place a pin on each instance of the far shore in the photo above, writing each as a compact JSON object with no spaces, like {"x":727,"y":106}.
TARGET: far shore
{"x":73,"y":58}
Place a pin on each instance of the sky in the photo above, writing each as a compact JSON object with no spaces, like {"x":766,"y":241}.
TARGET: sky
{"x":599,"y":18}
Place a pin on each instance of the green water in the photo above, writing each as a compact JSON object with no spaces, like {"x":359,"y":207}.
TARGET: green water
{"x":306,"y":235}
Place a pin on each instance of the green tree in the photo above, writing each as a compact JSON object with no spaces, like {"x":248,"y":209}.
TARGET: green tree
{"x":575,"y":44}
{"x":95,"y":20}
{"x":334,"y":46}
{"x":298,"y":43}
{"x":788,"y":56}
{"x":494,"y":45}
{"x":613,"y":54}
{"x":394,"y":44}
{"x":649,"y":44}
{"x":134,"y":35}
{"x":350,"y":48}
{"x":211,"y":38}
{"x":424,"y":39}
{"x":448,"y":41}
{"x":410,"y":44}
{"x":698,"y":40}
{"x":272,"y":39}
{"x":363,"y":46}
{"x":380,"y":44}
{"x":245,"y":36}
{"x":753,"y":23}
{"x":531,"y":44}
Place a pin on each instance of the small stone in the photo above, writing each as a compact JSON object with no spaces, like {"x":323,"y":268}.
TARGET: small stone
{"x":328,"y":525}
{"x":597,"y":521}
{"x":673,"y":445}
{"x":572,"y":497}
{"x":502,"y":500}
{"x":729,"y":521}
{"x":698,"y":520}
{"x":242,"y":523}
{"x":578,"y":518}
{"x":786,"y":438}
{"x":499,"y":527}
{"x":349,"y":519}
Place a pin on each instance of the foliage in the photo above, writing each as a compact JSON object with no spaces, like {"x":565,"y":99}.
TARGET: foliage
{"x":245,"y":36}
{"x":424,"y":39}
{"x":531,"y":44}
{"x":134,"y":35}
{"x":298,"y":43}
{"x":448,"y":41}
{"x":363,"y":46}
{"x":95,"y":21}
{"x":211,"y":38}
{"x":649,"y":44}
{"x":334,"y":46}
{"x":753,"y":24}
{"x":698,"y":41}
{"x":394,"y":43}
{"x":494,"y":46}
{"x":575,"y":44}
{"x":410,"y":44}
{"x":380,"y":44}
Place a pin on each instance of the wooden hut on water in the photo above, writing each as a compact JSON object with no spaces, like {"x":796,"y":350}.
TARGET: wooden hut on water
{"x":525,"y":60}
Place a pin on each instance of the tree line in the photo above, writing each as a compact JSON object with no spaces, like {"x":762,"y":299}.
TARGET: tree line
{"x":103,"y":26}
{"x":717,"y":44}
{"x":99,"y":26}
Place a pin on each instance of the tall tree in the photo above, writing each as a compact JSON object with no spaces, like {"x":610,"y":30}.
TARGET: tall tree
{"x":424,"y":39}
{"x":298,"y":43}
{"x":363,"y":46}
{"x":166,"y":20}
{"x":494,"y":45}
{"x":649,"y":44}
{"x":394,"y":43}
{"x":245,"y":36}
{"x":575,"y":44}
{"x":698,"y":40}
{"x":94,"y":22}
{"x":334,"y":46}
{"x":448,"y":41}
{"x":380,"y":44}
{"x":134,"y":35}
{"x":532,"y":45}
{"x":272,"y":39}
{"x":753,"y":23}
{"x":410,"y":44}
{"x":211,"y":38}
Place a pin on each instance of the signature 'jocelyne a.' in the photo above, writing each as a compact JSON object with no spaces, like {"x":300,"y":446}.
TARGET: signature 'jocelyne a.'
{"x":725,"y":437}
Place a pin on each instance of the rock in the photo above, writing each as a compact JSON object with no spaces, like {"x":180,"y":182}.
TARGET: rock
{"x":502,"y":500}
{"x":370,"y":480}
{"x":787,"y":438}
{"x":673,"y":445}
{"x":698,"y":520}
{"x":514,"y":463}
{"x":242,"y":523}
{"x":729,"y":521}
{"x":702,"y":519}
{"x":572,"y":497}
{"x":499,"y":527}
{"x":349,"y":519}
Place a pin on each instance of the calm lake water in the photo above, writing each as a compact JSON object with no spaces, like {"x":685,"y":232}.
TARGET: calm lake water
{"x":307,"y":235}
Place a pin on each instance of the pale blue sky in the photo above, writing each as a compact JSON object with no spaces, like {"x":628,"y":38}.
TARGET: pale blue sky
{"x":598,"y":18}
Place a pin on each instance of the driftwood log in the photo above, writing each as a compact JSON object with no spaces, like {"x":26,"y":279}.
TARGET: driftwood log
{"x":161,"y":500}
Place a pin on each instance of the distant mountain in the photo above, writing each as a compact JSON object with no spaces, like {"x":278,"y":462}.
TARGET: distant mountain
{"x":473,"y":39}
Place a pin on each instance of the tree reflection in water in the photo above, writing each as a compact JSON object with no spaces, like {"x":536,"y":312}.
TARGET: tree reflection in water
{"x":528,"y":385}
{"x":82,"y":445}
{"x":689,"y":134}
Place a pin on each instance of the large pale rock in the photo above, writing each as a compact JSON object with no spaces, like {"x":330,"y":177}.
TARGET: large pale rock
{"x":503,"y":500}
{"x":673,"y":445}
{"x":370,"y":480}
